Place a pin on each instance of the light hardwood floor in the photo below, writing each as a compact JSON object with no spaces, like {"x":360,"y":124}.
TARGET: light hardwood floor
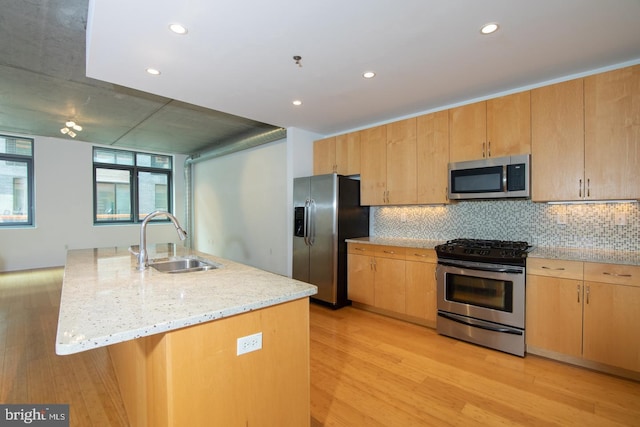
{"x":366,"y":370}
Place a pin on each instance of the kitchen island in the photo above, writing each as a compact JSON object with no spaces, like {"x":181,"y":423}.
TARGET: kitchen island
{"x":173,"y":337}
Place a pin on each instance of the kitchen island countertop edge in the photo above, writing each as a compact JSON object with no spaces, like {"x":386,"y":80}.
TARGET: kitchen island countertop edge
{"x":105,"y":300}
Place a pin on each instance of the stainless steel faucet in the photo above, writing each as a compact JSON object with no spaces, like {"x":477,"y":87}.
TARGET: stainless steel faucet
{"x":143,"y":257}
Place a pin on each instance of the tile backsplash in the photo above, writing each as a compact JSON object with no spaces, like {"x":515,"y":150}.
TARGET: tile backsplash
{"x":602,"y":225}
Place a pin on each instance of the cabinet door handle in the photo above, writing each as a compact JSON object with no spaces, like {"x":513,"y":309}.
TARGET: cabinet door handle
{"x":578,"y":291}
{"x":375,"y":265}
{"x":615,"y":274}
{"x":544,"y":267}
{"x":489,"y":149}
{"x":580,"y":188}
{"x":588,"y":187}
{"x":484,"y":151}
{"x":588,"y":291}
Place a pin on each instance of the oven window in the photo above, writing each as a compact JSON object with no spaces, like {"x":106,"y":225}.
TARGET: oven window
{"x":480,"y":292}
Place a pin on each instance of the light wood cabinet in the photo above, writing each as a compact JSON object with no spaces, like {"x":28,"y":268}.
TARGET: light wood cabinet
{"x":432,"y":152}
{"x":421,"y":299}
{"x":612,"y":134}
{"x":389,"y":268}
{"x":611,"y":315}
{"x":360,"y":274}
{"x":557,"y":141}
{"x":588,"y":311}
{"x":494,"y":128}
{"x":398,"y":281}
{"x":338,"y":154}
{"x":373,"y":166}
{"x":554,"y":305}
{"x":376,"y":276}
{"x":324,"y":156}
{"x":402,"y":162}
{"x":585,"y":140}
{"x":388,"y":164}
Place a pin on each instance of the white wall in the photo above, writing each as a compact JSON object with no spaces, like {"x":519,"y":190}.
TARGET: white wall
{"x":243,"y":202}
{"x":64,"y":210}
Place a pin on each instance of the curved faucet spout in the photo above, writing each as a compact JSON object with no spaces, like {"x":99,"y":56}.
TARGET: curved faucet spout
{"x":143,"y":257}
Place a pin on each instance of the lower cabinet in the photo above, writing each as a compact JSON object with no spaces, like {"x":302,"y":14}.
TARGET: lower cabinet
{"x":420,"y":286}
{"x":588,"y":311}
{"x":397,"y":281}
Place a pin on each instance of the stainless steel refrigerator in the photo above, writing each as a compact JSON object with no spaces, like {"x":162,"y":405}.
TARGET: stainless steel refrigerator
{"x":326,"y":212}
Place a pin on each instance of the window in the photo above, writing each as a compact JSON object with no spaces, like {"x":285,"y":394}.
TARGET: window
{"x":128,"y":185}
{"x":16,"y":181}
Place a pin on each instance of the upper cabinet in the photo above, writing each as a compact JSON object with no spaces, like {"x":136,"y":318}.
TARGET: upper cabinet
{"x":557,"y":141}
{"x":338,"y":154}
{"x":401,"y":162}
{"x":433,"y":157}
{"x":612,"y":134}
{"x":373,"y":166}
{"x":494,"y":128}
{"x":586,"y":138}
{"x":388,"y":164}
{"x":405,"y":162}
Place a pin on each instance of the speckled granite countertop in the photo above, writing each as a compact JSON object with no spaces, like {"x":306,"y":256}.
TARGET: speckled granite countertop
{"x":105,"y":300}
{"x":605,"y":256}
{"x":570,"y":254}
{"x":393,"y":241}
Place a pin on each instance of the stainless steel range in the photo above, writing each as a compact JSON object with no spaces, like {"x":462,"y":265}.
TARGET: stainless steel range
{"x":481,"y":292}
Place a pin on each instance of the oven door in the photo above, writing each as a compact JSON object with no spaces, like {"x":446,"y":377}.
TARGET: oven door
{"x":483,"y":291}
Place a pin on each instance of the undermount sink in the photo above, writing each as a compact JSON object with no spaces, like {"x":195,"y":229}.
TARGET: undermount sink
{"x":182,"y":264}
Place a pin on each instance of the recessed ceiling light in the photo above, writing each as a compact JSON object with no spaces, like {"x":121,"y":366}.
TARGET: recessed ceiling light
{"x":297,"y":102}
{"x":153,"y":71}
{"x":492,"y":27}
{"x":368,"y":74}
{"x":178,"y":29}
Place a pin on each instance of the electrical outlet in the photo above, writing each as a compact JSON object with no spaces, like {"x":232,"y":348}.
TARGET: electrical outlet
{"x":249,"y":343}
{"x":562,"y":218}
{"x":621,"y":218}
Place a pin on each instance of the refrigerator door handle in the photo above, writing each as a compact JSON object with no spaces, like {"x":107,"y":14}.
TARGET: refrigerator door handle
{"x":305,"y":221}
{"x":312,"y":222}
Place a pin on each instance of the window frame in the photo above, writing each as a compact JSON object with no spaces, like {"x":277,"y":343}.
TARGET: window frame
{"x":29,"y":160}
{"x":134,"y":184}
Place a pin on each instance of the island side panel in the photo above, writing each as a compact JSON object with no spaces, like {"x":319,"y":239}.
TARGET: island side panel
{"x":129,"y":359}
{"x":192,"y":376}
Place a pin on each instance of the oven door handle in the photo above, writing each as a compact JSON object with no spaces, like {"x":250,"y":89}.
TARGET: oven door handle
{"x":482,"y":325}
{"x":490,"y":269}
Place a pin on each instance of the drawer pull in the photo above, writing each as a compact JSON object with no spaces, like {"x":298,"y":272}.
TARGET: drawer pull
{"x":359,"y":249}
{"x":420,"y":255}
{"x":616,"y":275}
{"x":389,"y":252}
{"x":544,"y":267}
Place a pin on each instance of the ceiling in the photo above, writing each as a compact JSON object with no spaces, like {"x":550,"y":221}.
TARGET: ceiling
{"x":43,"y":84}
{"x":236,"y":59}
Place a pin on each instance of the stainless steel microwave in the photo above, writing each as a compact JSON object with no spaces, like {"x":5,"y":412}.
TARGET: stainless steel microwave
{"x":491,"y":178}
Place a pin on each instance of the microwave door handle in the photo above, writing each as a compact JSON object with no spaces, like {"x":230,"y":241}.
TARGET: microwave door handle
{"x":504,"y":178}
